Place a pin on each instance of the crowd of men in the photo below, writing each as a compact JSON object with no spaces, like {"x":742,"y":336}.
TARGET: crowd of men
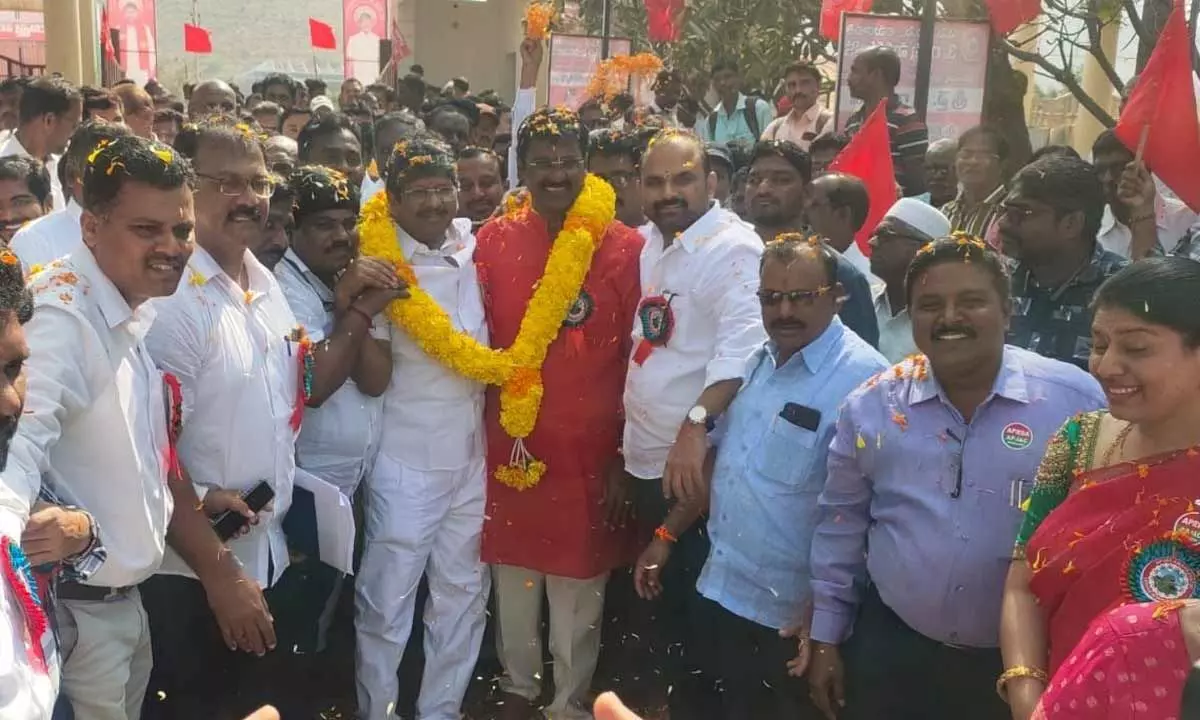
{"x":732,"y":419}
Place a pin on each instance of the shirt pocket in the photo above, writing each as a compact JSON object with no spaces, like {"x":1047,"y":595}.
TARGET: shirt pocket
{"x":999,"y":513}
{"x":786,"y":456}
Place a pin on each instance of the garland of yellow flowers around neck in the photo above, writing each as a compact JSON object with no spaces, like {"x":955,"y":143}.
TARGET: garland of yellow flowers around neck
{"x":518,"y":368}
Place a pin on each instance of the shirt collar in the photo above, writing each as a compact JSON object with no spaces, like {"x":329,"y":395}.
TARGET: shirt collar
{"x":708,"y":224}
{"x":456,"y":244}
{"x":737,"y":106}
{"x":207,"y":266}
{"x":291,"y":259}
{"x":112,"y":304}
{"x":884,"y":305}
{"x":1010,"y":382}
{"x":809,"y":116}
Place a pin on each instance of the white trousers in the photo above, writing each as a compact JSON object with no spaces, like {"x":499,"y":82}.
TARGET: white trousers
{"x":420,"y":522}
{"x":576,"y":617}
{"x":106,"y":656}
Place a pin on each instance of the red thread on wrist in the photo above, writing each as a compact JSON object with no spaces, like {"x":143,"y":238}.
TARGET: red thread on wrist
{"x":662,"y":533}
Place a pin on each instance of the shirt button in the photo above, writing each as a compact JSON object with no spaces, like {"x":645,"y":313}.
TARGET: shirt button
{"x":960,"y":588}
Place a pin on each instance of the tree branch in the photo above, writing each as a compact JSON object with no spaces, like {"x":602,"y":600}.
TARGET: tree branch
{"x":1096,"y":50}
{"x":1065,"y":78}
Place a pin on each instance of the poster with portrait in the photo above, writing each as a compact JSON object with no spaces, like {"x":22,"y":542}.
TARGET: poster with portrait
{"x":135,"y":21}
{"x":364,"y":24}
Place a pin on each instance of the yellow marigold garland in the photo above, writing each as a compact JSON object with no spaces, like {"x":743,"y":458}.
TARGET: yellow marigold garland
{"x":516,"y":369}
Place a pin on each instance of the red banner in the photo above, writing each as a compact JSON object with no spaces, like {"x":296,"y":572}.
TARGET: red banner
{"x":136,"y":23}
{"x":364,"y":25}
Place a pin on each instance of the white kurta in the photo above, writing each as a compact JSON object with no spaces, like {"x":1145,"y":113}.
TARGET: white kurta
{"x":425,"y":505}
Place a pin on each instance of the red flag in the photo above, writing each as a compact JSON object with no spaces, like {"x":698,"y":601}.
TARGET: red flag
{"x":831,"y":15}
{"x":1163,"y":104}
{"x":665,"y":20}
{"x":400,"y":48}
{"x":321,"y":35}
{"x":868,"y":157}
{"x":196,"y":39}
{"x":1008,"y":15}
{"x":106,"y":37}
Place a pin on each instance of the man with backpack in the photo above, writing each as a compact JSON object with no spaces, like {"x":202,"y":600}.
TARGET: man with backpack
{"x":737,"y":118}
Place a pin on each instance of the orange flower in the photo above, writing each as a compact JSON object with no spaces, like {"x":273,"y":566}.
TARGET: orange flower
{"x":538,"y":17}
{"x":1143,"y":471}
{"x":522,"y":380}
{"x":8,"y":258}
{"x":1070,"y":568}
{"x":899,"y":418}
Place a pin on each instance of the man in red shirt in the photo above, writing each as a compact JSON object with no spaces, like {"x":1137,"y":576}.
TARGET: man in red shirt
{"x":556,"y":538}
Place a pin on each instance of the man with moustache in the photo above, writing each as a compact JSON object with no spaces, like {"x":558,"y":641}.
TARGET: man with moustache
{"x":1048,"y":224}
{"x":768,"y":467}
{"x":269,"y":245}
{"x":425,"y":501}
{"x":283,"y":155}
{"x":230,"y":339}
{"x":554,"y":537}
{"x":58,"y":233}
{"x":970,"y":418}
{"x":480,"y":184}
{"x":776,"y":192}
{"x":331,"y":294}
{"x":49,"y":113}
{"x":615,"y":155}
{"x":807,"y":120}
{"x":95,"y":432}
{"x":908,"y":226}
{"x":24,"y":194}
{"x":698,"y":320}
{"x":979,"y":167}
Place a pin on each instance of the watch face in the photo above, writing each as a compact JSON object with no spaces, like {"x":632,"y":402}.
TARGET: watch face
{"x":697,"y":414}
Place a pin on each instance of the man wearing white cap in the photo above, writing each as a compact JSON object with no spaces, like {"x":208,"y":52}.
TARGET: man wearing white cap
{"x":321,"y":106}
{"x":906,"y":228}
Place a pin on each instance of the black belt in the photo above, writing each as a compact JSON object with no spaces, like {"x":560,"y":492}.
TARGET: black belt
{"x":95,"y":593}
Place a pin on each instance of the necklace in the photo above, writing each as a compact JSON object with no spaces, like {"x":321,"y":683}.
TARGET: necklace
{"x":1118,"y":443}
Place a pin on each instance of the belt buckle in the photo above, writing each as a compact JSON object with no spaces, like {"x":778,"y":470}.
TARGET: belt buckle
{"x":114,"y":593}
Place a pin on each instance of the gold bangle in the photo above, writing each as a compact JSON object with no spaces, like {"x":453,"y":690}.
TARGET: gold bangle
{"x":1018,"y":671}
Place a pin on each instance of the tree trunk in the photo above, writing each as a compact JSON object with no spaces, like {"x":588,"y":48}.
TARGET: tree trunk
{"x":1154,"y":16}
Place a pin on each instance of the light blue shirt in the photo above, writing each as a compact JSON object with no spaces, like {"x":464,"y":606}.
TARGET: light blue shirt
{"x":769,"y":471}
{"x":890,"y":508}
{"x":732,"y":127}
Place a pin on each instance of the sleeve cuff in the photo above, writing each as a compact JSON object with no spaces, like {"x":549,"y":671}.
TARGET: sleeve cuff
{"x":722,"y":369}
{"x":830,"y":627}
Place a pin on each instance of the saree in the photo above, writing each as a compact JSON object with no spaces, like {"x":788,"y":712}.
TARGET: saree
{"x":1096,"y":539}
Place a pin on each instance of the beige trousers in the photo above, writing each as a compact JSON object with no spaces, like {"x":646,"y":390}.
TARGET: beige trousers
{"x":106,"y":656}
{"x":576,"y":616}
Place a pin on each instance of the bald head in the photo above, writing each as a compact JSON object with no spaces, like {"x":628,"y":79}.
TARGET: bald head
{"x":211,"y":96}
{"x":282,"y":154}
{"x":837,"y":208}
{"x":940,"y":176}
{"x":676,"y":188}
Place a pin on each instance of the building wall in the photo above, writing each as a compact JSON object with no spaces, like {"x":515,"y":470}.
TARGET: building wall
{"x":475,"y":39}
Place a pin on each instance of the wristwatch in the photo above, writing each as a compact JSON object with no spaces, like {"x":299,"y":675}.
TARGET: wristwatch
{"x":698,"y":415}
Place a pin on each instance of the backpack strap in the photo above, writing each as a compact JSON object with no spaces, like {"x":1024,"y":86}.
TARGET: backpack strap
{"x":752,"y":117}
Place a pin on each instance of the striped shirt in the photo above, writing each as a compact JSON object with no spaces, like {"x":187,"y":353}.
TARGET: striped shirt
{"x":975,"y":220}
{"x":910,"y":140}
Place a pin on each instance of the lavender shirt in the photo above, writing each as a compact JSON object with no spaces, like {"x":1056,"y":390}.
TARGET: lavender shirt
{"x":938,"y":561}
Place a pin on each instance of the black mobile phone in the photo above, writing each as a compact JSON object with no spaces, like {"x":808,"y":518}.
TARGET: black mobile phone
{"x":801,"y":416}
{"x":228,"y":523}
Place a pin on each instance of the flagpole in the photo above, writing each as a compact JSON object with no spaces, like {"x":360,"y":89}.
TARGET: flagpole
{"x":195,"y":57}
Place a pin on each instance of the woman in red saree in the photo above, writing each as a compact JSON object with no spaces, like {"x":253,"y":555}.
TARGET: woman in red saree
{"x":1114,"y":517}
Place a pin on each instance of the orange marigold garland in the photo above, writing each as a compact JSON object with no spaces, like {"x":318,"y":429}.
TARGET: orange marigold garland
{"x":612,"y":75}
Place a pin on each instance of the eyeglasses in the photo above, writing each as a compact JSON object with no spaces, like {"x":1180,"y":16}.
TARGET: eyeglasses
{"x":261,"y":186}
{"x":426,"y":195}
{"x":968,"y":155}
{"x":771,"y":298}
{"x":567,"y":163}
{"x":1016,"y":213}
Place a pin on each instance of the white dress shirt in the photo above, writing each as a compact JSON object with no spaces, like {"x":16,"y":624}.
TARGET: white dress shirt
{"x":523,"y":106}
{"x":370,"y":188}
{"x":12,"y":146}
{"x":239,"y":368}
{"x":49,"y":237}
{"x":432,"y":416}
{"x":1172,"y":219}
{"x":895,"y":329}
{"x":25,"y":693}
{"x":338,"y":440}
{"x":710,"y":274}
{"x":94,"y":427}
{"x":801,"y":128}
